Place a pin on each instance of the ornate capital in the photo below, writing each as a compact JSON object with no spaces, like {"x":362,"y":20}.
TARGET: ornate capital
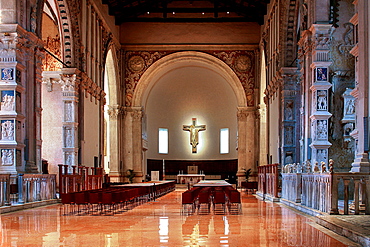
{"x":114,"y":111}
{"x":243,"y":113}
{"x":69,"y":82}
{"x":137,"y":115}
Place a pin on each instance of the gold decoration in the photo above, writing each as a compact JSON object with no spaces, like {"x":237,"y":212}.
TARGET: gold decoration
{"x":136,"y":63}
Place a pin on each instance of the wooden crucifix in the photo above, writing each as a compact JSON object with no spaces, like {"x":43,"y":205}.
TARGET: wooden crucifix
{"x":194,"y":130}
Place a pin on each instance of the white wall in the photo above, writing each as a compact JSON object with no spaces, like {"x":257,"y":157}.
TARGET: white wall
{"x":52,"y":127}
{"x":185,"y":93}
{"x":90,"y":143}
{"x":274,"y":129}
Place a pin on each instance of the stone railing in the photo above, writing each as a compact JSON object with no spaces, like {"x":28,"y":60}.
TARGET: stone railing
{"x":321,"y":191}
{"x":26,"y":188}
{"x":291,"y":186}
{"x":36,"y":187}
{"x":268,"y":181}
{"x":316,"y":191}
{"x":360,"y":184}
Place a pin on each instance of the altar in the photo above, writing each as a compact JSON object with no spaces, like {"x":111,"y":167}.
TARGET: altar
{"x":187,"y":178}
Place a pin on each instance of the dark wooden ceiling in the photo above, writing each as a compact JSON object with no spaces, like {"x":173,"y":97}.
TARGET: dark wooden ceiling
{"x":187,"y":11}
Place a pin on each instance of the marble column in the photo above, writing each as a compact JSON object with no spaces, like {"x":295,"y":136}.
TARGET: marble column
{"x":246,"y":138}
{"x":133,"y":141}
{"x":115,"y":114}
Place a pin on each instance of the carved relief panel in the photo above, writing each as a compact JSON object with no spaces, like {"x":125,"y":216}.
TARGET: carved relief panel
{"x":7,"y":157}
{"x":69,"y":111}
{"x":7,"y":101}
{"x":321,"y":100}
{"x":7,"y":130}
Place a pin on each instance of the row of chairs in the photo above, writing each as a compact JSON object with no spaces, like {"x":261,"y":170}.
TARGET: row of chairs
{"x":110,"y":201}
{"x":205,"y":199}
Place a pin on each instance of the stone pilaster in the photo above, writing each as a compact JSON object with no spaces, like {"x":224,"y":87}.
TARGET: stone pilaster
{"x":246,"y":138}
{"x":361,"y":91}
{"x":70,"y":86}
{"x":289,"y":105}
{"x":320,"y":93}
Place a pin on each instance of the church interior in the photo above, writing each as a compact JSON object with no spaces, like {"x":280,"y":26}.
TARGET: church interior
{"x":261,"y":102}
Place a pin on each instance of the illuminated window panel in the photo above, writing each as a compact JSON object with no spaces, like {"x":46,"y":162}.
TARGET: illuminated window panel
{"x":163,"y":141}
{"x":224,"y":141}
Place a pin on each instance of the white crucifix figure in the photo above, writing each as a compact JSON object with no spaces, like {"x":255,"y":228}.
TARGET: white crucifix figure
{"x":194,"y":130}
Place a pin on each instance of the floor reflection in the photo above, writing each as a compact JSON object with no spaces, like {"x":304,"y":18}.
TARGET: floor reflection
{"x":160,"y":223}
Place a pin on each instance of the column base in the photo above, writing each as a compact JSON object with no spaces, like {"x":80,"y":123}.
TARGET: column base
{"x":31,"y":167}
{"x":361,"y":163}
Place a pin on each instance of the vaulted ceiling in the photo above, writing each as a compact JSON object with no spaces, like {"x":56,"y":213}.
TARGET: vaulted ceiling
{"x":187,"y":11}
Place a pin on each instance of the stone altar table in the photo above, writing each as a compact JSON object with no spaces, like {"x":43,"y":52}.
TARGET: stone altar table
{"x":186,"y":178}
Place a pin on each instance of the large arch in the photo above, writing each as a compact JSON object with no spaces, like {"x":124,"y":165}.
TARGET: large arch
{"x":112,"y":112}
{"x":133,"y":144}
{"x":186,"y":58}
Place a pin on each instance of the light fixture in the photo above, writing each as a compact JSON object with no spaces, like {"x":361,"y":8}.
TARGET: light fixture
{"x":173,"y":13}
{"x":227,"y":12}
{"x":148,"y":12}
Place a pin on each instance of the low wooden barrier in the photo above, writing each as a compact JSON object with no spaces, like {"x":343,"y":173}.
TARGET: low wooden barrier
{"x":268,"y":181}
{"x":81,"y":178}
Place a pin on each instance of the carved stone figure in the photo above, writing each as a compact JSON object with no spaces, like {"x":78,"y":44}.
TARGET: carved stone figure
{"x":323,"y":167}
{"x":321,"y":103}
{"x":68,"y":112}
{"x":321,"y":155}
{"x":7,"y":157}
{"x":7,"y":130}
{"x":350,"y":107}
{"x":316,"y":167}
{"x":8,"y":103}
{"x":331,"y":166}
{"x":321,"y":129}
{"x":308,"y":166}
{"x":69,"y":138}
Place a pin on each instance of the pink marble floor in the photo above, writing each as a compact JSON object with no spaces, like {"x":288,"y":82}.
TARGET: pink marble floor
{"x":160,"y":223}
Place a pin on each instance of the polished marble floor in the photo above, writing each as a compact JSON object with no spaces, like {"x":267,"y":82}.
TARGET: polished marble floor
{"x":160,"y":223}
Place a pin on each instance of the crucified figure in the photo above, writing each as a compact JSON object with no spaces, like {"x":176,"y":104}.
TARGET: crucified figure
{"x":194,"y":130}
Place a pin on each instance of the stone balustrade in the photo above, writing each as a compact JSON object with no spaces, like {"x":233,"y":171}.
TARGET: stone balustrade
{"x":36,"y":187}
{"x":28,"y":188}
{"x":291,"y":187}
{"x":323,"y":191}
